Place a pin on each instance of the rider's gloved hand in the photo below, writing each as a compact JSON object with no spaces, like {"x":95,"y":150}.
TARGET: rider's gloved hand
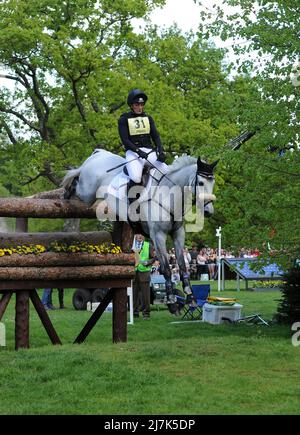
{"x":161,"y":156}
{"x":142,"y":154}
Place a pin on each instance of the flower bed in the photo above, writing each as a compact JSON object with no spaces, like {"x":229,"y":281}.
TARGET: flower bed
{"x":103,"y":248}
{"x":266,"y":285}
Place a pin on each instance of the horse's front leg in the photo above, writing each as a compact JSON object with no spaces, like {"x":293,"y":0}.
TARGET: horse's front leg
{"x":178,"y":237}
{"x":159,"y":240}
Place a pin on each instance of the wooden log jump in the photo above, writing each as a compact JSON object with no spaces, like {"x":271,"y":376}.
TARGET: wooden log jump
{"x":45,"y":208}
{"x":48,"y":259}
{"x":23,"y":274}
{"x":8,"y":240}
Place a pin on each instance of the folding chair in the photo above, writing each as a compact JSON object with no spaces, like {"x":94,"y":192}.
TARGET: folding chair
{"x":193,"y":311}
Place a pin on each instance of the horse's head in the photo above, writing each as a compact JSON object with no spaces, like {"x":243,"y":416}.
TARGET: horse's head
{"x":206,"y":180}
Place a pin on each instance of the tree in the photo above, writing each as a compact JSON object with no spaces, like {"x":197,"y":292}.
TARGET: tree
{"x":260,"y":199}
{"x":60,"y":57}
{"x":73,"y":64}
{"x":288,"y":309}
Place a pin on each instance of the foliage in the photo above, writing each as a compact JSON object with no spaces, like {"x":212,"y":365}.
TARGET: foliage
{"x":60,"y":60}
{"x":288,"y":310}
{"x":266,"y":284}
{"x":72,"y":66}
{"x":258,"y":204}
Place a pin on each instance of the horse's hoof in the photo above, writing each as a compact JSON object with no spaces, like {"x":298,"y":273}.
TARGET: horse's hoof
{"x":187,"y":290}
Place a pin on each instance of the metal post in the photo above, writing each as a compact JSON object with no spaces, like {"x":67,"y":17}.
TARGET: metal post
{"x":218,"y":234}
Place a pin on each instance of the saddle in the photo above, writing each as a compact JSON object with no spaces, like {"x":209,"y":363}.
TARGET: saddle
{"x":145,"y":175}
{"x":119,"y":188}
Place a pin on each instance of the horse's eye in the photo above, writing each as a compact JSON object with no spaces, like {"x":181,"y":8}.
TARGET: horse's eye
{"x":200,"y":183}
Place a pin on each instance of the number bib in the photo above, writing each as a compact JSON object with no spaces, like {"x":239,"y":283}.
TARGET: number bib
{"x":139,"y":125}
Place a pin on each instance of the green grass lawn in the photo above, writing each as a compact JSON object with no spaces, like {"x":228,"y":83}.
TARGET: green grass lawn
{"x":163,"y":368}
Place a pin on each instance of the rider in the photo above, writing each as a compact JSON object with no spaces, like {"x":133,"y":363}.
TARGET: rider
{"x":140,"y":138}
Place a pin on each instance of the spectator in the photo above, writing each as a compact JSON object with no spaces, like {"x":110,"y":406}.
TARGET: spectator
{"x":141,"y":284}
{"x":187,"y":258}
{"x":193,"y":269}
{"x":47,"y":298}
{"x":193,"y":253}
{"x":212,"y":263}
{"x":175,"y":277}
{"x":202,"y":264}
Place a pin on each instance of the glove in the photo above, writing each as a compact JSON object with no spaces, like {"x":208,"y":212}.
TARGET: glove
{"x":142,"y":154}
{"x":161,"y":156}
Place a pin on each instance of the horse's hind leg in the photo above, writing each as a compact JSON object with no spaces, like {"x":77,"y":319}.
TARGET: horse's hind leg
{"x":159,"y":240}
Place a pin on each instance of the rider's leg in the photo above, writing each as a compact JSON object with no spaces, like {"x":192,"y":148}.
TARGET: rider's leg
{"x":135,"y":169}
{"x":134,"y":166}
{"x":152,"y":158}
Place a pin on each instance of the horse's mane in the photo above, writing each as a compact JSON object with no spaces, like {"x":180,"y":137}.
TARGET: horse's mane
{"x":182,"y":162}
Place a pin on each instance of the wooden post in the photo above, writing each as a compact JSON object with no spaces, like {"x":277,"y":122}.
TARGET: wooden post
{"x":22,"y":319}
{"x":4,"y":302}
{"x":122,"y":235}
{"x":44,"y":317}
{"x":21,"y":225}
{"x":94,"y":317}
{"x":22,"y":302}
{"x":120,"y":315}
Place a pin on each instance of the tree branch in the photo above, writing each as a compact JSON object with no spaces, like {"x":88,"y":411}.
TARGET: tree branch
{"x":8,"y":132}
{"x":21,"y":117}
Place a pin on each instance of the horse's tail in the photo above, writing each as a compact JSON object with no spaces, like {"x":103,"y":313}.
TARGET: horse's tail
{"x":69,"y":177}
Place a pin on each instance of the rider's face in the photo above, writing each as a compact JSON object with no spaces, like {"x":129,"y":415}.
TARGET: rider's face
{"x":138,"y":108}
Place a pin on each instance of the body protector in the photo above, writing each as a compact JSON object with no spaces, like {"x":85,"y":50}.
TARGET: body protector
{"x":139,"y":131}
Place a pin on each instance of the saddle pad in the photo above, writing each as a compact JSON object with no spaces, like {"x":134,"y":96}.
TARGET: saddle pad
{"x":118,"y":186}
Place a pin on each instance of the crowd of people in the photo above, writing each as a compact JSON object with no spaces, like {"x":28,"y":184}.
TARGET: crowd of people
{"x":202,"y":263}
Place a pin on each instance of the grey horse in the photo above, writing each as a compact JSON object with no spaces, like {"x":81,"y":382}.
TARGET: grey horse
{"x":171,"y":205}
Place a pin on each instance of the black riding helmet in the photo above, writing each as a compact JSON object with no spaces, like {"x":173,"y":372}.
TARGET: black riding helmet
{"x":136,"y":96}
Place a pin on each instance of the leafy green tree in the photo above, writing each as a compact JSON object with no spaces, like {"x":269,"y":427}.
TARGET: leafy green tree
{"x":258,"y":205}
{"x":72,"y":64}
{"x":288,"y":310}
{"x":59,"y":57}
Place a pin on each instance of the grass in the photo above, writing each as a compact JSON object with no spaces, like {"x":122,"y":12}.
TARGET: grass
{"x":163,"y":368}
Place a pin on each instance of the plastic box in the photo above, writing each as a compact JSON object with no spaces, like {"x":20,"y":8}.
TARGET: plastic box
{"x":92,"y":306}
{"x":215,"y":313}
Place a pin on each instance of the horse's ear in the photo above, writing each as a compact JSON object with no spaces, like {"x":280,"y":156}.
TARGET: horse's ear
{"x":199,"y":163}
{"x":214,"y":164}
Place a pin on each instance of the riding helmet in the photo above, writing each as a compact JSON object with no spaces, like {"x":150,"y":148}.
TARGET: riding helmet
{"x":136,"y":96}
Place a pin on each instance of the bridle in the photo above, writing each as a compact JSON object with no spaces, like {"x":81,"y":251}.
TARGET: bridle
{"x":208,"y":176}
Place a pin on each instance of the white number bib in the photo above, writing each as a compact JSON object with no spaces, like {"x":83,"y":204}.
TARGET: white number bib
{"x":139,"y":125}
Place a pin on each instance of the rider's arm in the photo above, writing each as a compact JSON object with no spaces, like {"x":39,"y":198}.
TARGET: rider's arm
{"x":124,"y":134}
